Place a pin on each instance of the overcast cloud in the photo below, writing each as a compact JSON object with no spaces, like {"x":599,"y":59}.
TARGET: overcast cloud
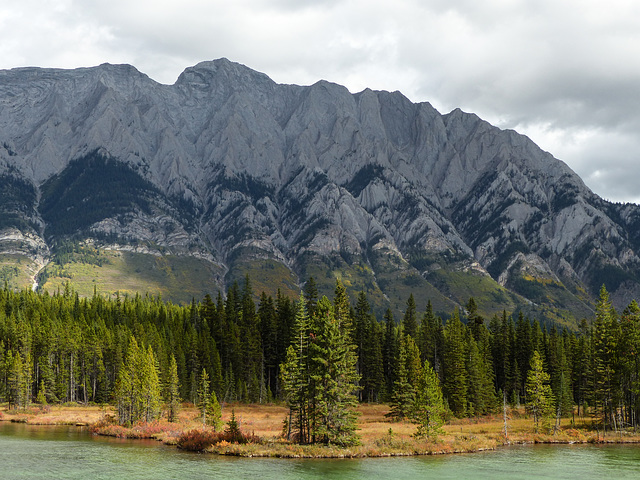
{"x":564,"y":72}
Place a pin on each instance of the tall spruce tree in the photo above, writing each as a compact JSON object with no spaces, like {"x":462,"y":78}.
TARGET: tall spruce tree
{"x":427,"y":411}
{"x":294,"y":373}
{"x":172,"y":395}
{"x":455,"y":374}
{"x":389,"y":352}
{"x":410,"y":321}
{"x":539,"y":393}
{"x":604,"y":344}
{"x":138,"y":386}
{"x":403,"y":393}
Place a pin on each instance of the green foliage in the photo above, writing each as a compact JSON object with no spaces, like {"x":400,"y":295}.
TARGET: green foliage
{"x":213,"y":412}
{"x":137,"y":389}
{"x":403,"y":396}
{"x":91,"y":189}
{"x":172,"y":396}
{"x":319,"y":375}
{"x":176,"y":278}
{"x":455,"y":374}
{"x":427,"y":411}
{"x":116,"y":349}
{"x":539,"y":394}
{"x":363,"y":178}
{"x":17,"y":202}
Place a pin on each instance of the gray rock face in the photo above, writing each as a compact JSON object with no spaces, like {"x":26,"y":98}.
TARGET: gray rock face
{"x":238,"y":161}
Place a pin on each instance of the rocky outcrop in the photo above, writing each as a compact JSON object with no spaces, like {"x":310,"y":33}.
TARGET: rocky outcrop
{"x":235,"y":162}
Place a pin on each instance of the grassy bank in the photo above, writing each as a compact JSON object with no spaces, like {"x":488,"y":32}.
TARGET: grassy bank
{"x":379,"y":436}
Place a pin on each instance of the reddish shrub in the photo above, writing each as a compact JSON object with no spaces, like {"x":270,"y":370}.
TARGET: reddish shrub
{"x":198,"y":440}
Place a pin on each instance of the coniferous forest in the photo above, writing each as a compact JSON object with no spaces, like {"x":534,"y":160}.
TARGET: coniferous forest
{"x":321,"y":356}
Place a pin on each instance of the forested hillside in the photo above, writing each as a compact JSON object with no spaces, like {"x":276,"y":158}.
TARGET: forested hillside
{"x":62,"y":348}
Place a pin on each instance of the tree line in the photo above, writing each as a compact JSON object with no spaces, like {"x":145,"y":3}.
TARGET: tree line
{"x":322,"y":356}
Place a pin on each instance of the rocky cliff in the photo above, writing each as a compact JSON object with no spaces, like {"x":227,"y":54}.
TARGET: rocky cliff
{"x":282,"y":182}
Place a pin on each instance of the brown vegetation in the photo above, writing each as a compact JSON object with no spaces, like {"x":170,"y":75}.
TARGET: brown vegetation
{"x":261,"y":427}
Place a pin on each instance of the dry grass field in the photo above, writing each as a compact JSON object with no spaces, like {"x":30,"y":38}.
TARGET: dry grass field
{"x":379,"y":436}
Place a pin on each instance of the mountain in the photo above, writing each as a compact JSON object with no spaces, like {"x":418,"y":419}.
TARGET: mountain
{"x":113,"y":181}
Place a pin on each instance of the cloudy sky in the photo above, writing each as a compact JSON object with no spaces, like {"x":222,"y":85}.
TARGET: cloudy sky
{"x":564,"y":72}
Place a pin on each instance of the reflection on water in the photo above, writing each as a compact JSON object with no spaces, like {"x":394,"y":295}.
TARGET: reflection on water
{"x":45,"y":452}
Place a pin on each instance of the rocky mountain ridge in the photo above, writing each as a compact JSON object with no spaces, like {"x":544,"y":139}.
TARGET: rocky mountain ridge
{"x":285,"y":181}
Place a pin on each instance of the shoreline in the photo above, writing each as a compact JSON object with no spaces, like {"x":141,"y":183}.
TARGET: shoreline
{"x":379,"y":436}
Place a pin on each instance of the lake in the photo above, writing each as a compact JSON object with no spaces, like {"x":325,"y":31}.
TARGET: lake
{"x":45,"y":452}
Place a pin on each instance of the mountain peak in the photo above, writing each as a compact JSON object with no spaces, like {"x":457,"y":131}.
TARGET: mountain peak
{"x":221,"y":70}
{"x":290,"y":181}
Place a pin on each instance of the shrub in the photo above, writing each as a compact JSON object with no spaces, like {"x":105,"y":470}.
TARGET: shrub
{"x":198,"y":440}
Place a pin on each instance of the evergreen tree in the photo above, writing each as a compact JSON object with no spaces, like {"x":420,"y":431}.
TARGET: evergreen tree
{"x":204,"y":393}
{"x":149,"y":384}
{"x":481,"y":394}
{"x":375,"y":382}
{"x":389,"y":352}
{"x":173,"y":391}
{"x":213,"y":412}
{"x":604,"y":345}
{"x":410,"y":321}
{"x":368,"y":340}
{"x":311,"y":296}
{"x":431,"y":338}
{"x":294,"y":374}
{"x":41,"y":398}
{"x":333,"y":372}
{"x":342,"y":309}
{"x":403,"y":393}
{"x":538,"y":390}
{"x":561,"y":381}
{"x":138,"y":386}
{"x":427,"y":411}
{"x":455,"y":375}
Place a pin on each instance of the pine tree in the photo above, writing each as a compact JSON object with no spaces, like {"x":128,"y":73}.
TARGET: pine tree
{"x":150,"y":386}
{"x":431,"y":338}
{"x":427,"y":411}
{"x":137,"y":389}
{"x":333,"y":372}
{"x":561,"y":382}
{"x":41,"y":398}
{"x":538,"y":390}
{"x":361,"y":338}
{"x":173,"y":391}
{"x":604,"y":346}
{"x":403,"y":393}
{"x":455,"y":374}
{"x":481,"y":395}
{"x":294,"y":374}
{"x":342,"y":309}
{"x":213,"y":412}
{"x":409,"y":321}
{"x":204,"y":393}
{"x":311,"y":296}
{"x":375,"y":382}
{"x":389,"y":352}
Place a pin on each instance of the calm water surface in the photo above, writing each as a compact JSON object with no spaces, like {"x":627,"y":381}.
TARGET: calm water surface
{"x":32,"y":452}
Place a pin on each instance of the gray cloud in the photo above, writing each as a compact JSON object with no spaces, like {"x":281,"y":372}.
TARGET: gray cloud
{"x":564,"y":73}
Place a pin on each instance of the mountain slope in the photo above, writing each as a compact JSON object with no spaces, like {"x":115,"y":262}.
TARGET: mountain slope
{"x":284,"y":181}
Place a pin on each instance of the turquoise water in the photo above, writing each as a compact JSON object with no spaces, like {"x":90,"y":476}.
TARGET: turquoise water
{"x":33,"y":452}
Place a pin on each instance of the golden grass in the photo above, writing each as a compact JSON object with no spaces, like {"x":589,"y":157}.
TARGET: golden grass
{"x":379,"y":436}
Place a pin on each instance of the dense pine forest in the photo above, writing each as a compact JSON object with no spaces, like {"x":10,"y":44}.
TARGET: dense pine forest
{"x":145,"y":356}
